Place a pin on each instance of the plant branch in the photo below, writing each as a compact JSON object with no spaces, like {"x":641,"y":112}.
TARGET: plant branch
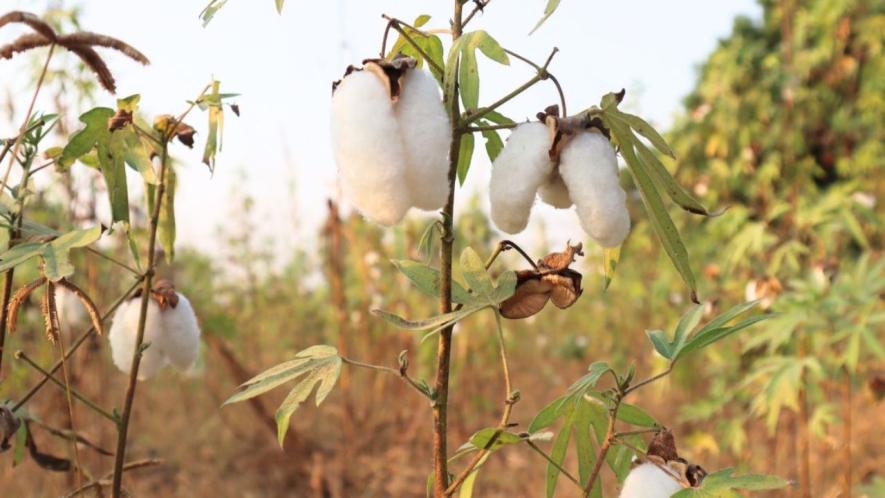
{"x":112,"y":260}
{"x":443,"y":353}
{"x":651,"y":379}
{"x":552,"y":462}
{"x":75,"y":345}
{"x":474,"y":129}
{"x":480,"y":5}
{"x":20,"y":355}
{"x":606,"y":444}
{"x":509,"y":400}
{"x":98,"y":483}
{"x":474,"y":114}
{"x":543,"y":69}
{"x":396,"y":24}
{"x":401,"y":373}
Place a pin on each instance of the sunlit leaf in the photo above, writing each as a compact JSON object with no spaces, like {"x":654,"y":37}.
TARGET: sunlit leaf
{"x":465,"y":154}
{"x":610,"y":258}
{"x":427,"y":279}
{"x":548,"y":11}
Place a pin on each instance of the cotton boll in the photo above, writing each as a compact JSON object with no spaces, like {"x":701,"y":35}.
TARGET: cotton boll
{"x":590,"y":170}
{"x":368,"y":149}
{"x":555,"y":192}
{"x":123,"y":334}
{"x":517,"y":173}
{"x":427,"y":135}
{"x":181,"y":334}
{"x":649,"y":481}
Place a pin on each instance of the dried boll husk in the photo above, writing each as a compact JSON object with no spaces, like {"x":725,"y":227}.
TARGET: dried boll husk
{"x":426,"y":134}
{"x":368,"y":150}
{"x":517,"y":173}
{"x":181,"y":334}
{"x":589,"y":167}
{"x":647,"y":480}
{"x":124,"y":330}
{"x":555,"y":192}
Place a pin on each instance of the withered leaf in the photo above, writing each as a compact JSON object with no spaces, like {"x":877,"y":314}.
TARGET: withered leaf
{"x":120,"y":119}
{"x":183,"y":131}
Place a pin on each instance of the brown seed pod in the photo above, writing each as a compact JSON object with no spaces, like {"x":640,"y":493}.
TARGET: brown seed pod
{"x":551,"y":280}
{"x":87,"y":303}
{"x":18,"y":299}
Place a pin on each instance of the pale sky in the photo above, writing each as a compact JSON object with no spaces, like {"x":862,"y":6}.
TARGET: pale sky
{"x":283,"y":67}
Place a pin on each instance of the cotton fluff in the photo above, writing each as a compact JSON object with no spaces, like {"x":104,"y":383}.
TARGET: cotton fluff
{"x":368,"y":149}
{"x":173,"y":334}
{"x":590,"y":170}
{"x":517,"y":173}
{"x":426,"y":136}
{"x":181,"y":334}
{"x":71,"y":313}
{"x":555,"y":192}
{"x":647,"y":480}
{"x":123,"y":335}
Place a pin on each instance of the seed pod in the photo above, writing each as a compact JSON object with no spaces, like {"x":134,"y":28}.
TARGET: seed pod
{"x":124,"y":330}
{"x":555,"y":193}
{"x":368,"y":149}
{"x":517,"y":173}
{"x":181,"y":334}
{"x":589,"y":168}
{"x":647,"y":480}
{"x":426,"y":134}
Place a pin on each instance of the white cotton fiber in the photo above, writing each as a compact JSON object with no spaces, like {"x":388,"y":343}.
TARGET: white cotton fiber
{"x":555,"y":192}
{"x":71,"y":313}
{"x":590,"y":169}
{"x":181,"y":334}
{"x":123,"y":334}
{"x":368,"y":149}
{"x":648,"y":480}
{"x":426,"y":136}
{"x":517,"y":173}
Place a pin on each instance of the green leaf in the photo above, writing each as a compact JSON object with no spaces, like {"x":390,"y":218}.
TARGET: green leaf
{"x":427,"y":279}
{"x":432,"y":324}
{"x":661,"y":343}
{"x":498,"y":118}
{"x":19,"y":254}
{"x":216,"y":125}
{"x":610,"y":258}
{"x":465,"y":154}
{"x":494,"y":144}
{"x":686,"y":324}
{"x":56,"y":254}
{"x":430,"y":44}
{"x":166,"y":226}
{"x":129,"y":104}
{"x":654,"y":206}
{"x":557,"y":454}
{"x":475,"y":274}
{"x":583,"y":385}
{"x":21,"y":443}
{"x":665,"y":180}
{"x":583,"y":426}
{"x":707,"y":337}
{"x":136,"y":155}
{"x":317,"y":365}
{"x":468,"y":80}
{"x":84,"y":140}
{"x":111,"y":159}
{"x":634,"y":415}
{"x":547,"y":416}
{"x":548,"y":11}
{"x":279,"y":4}
{"x":644,"y":129}
{"x":210,"y":10}
{"x":722,"y":484}
{"x":481,"y":438}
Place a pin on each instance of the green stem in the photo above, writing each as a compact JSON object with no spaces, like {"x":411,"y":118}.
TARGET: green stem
{"x":393,"y":371}
{"x":20,"y":355}
{"x":552,"y":462}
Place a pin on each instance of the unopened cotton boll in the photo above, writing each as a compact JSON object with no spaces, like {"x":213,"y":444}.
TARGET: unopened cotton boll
{"x":555,"y":192}
{"x":181,"y":334}
{"x":368,"y":148}
{"x":647,"y":480}
{"x":517,"y":173}
{"x":589,"y":167}
{"x":123,"y":334}
{"x":426,"y":136}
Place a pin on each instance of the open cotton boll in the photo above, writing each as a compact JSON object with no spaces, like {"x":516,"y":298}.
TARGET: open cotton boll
{"x":181,"y":334}
{"x":589,"y":167}
{"x":555,"y":192}
{"x":123,"y":334}
{"x":427,"y":135}
{"x":368,"y":149}
{"x":648,"y":480}
{"x":517,"y":173}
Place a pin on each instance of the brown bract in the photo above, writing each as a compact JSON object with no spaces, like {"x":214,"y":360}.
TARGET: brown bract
{"x":562,"y":130}
{"x":163,"y":293}
{"x":82,"y":44}
{"x":551,"y":280}
{"x":390,"y":72}
{"x":183,"y":131}
{"x":662,"y":452}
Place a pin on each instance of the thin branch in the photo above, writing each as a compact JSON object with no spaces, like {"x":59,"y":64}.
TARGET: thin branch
{"x":606,"y":444}
{"x":104,"y":481}
{"x":651,"y":379}
{"x":474,"y":129}
{"x":112,"y":260}
{"x":475,"y":114}
{"x":552,"y":462}
{"x":509,"y":401}
{"x":20,"y":355}
{"x":480,"y":5}
{"x":396,"y":24}
{"x":393,"y":371}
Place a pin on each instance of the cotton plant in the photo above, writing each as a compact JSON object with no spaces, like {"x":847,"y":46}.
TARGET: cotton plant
{"x":404,"y":127}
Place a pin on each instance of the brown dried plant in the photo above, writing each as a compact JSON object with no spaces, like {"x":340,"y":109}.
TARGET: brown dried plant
{"x":50,"y":314}
{"x":82,"y":44}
